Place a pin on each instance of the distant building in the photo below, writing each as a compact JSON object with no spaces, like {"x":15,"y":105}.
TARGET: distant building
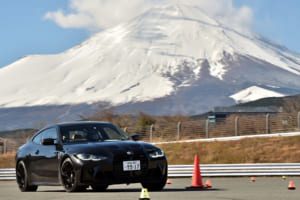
{"x":219,"y":113}
{"x":245,"y":109}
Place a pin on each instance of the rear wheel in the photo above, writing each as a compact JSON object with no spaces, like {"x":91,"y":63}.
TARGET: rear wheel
{"x":22,"y":178}
{"x":69,"y":177}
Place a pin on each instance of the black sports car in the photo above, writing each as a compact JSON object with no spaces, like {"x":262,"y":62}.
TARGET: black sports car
{"x":82,"y":154}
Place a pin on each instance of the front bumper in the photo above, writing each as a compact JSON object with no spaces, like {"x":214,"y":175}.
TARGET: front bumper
{"x":110,"y":171}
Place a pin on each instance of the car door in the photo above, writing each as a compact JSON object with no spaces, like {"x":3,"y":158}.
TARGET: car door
{"x":44,"y":161}
{"x":34,"y":157}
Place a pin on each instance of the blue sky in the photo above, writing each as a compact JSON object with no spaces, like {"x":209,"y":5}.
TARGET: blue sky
{"x":25,"y":29}
{"x":278,"y":20}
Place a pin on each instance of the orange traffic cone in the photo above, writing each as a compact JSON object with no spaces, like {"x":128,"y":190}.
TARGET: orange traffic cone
{"x":169,"y":181}
{"x":197,"y":179}
{"x":252,"y":179}
{"x":291,"y":186}
{"x":208,"y":184}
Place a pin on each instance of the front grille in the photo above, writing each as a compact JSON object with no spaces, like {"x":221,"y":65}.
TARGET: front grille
{"x":129,"y":176}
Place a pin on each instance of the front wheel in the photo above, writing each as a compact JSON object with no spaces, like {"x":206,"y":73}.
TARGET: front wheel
{"x":22,"y":178}
{"x":69,"y":177}
{"x":156,"y":185}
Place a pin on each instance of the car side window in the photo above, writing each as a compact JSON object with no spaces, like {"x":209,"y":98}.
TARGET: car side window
{"x":49,"y":134}
{"x":37,"y":139}
{"x":46,"y":134}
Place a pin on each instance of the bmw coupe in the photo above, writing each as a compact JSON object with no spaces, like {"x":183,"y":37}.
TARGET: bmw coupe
{"x":82,"y":154}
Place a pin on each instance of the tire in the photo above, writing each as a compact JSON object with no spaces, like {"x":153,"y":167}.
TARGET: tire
{"x":22,"y":178}
{"x":156,"y":186}
{"x":69,"y":177}
{"x":99,"y":188}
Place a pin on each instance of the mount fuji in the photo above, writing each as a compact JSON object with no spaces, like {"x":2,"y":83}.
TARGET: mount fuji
{"x":171,"y":59}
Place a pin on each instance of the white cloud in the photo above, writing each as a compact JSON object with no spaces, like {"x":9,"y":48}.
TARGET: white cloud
{"x":79,"y":20}
{"x":96,"y":15}
{"x":225,"y":12}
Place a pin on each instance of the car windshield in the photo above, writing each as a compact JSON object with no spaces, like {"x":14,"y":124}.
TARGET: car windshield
{"x":91,"y":133}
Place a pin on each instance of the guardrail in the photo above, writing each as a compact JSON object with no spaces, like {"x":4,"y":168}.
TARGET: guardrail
{"x":7,"y":174}
{"x":217,"y":170}
{"x":214,"y":170}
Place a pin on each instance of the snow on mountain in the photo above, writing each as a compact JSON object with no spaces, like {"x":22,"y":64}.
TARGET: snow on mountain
{"x":254,"y":93}
{"x":166,"y":51}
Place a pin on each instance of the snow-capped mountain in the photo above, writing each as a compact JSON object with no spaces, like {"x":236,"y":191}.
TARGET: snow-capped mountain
{"x":254,"y":93}
{"x":171,"y":59}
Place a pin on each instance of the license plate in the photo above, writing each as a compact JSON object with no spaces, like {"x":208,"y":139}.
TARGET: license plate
{"x":133,"y":165}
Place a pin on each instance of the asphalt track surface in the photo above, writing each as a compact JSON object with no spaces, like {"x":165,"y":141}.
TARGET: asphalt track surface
{"x":223,"y":188}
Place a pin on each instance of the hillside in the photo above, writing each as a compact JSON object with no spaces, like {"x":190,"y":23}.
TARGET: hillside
{"x":282,"y":104}
{"x":251,"y":150}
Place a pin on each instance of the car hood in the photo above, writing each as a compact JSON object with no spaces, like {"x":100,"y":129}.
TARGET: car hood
{"x":108,"y":147}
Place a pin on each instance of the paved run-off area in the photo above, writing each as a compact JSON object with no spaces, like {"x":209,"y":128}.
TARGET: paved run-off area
{"x":273,"y":188}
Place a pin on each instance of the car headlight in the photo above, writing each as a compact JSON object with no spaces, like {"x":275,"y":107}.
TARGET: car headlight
{"x":90,"y":157}
{"x":157,"y":154}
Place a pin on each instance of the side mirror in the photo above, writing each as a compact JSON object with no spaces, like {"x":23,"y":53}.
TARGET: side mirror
{"x":135,"y":137}
{"x":48,"y":141}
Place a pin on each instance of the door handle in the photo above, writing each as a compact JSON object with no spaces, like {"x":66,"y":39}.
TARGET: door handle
{"x":37,"y":152}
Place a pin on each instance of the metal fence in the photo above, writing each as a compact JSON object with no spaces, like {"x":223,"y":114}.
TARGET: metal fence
{"x":164,"y":130}
{"x":3,"y":145}
{"x":10,"y":145}
{"x":234,"y":125}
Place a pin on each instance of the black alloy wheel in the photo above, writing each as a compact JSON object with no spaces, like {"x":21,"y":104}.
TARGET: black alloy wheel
{"x":22,"y":178}
{"x":68,"y":177}
{"x":157,"y":185}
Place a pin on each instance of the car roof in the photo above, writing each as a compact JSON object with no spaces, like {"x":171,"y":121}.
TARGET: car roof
{"x":76,"y":123}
